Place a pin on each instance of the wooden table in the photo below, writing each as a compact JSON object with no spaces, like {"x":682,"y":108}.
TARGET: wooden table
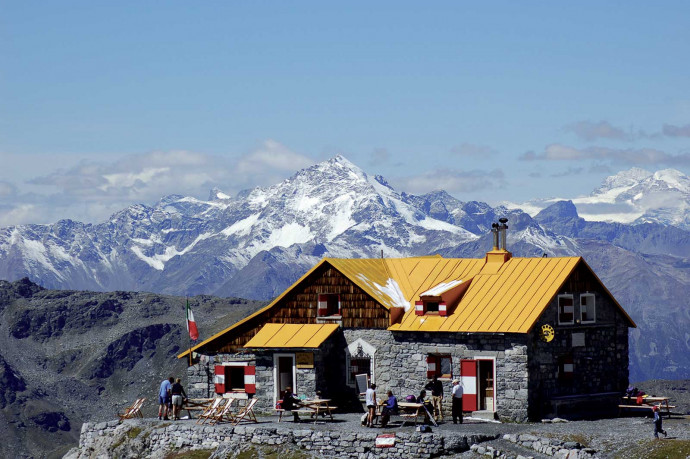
{"x":319,"y":406}
{"x":414,"y":409}
{"x":647,"y":402}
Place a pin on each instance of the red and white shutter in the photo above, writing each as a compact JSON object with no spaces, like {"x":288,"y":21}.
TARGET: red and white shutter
{"x":323,"y":305}
{"x":219,"y":379}
{"x":431,"y":366}
{"x":468,"y":379}
{"x":442,"y":309}
{"x":419,"y":308}
{"x":250,"y":379}
{"x":567,"y":367}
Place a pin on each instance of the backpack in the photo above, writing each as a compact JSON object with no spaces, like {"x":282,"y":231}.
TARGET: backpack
{"x":410,"y":399}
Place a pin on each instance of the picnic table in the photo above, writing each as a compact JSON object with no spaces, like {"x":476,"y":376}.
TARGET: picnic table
{"x":317,"y":406}
{"x":411,"y":411}
{"x":648,"y":402}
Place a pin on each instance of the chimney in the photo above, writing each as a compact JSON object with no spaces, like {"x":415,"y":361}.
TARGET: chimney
{"x":502,"y":228}
{"x":494,"y":231}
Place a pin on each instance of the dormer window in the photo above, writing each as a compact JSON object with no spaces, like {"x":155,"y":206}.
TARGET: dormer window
{"x":587,"y":308}
{"x":329,"y":305}
{"x":566,"y":313}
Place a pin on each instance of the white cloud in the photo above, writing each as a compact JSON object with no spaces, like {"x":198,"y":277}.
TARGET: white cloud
{"x":91,"y":190}
{"x":676,"y":131}
{"x":588,"y":130}
{"x":634,"y":156}
{"x":452,"y":181}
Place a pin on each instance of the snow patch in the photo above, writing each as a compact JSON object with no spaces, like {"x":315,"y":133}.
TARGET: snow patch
{"x":241,"y":227}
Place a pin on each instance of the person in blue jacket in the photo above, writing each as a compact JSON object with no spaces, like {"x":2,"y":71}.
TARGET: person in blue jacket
{"x":657,"y":422}
{"x":391,"y":407}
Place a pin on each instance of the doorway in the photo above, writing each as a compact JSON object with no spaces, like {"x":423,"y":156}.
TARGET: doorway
{"x":284,"y":374}
{"x":486,"y":382}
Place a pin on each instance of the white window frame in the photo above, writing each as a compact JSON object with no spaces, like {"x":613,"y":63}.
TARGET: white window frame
{"x":593,"y":312}
{"x":558,"y":306}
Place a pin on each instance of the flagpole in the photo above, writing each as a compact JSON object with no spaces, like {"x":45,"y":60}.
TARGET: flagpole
{"x":188,"y":335}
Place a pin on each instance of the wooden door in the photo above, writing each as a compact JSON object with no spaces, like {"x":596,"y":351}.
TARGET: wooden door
{"x":468,"y":379}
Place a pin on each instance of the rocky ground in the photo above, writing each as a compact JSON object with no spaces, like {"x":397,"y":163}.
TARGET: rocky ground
{"x":67,"y":357}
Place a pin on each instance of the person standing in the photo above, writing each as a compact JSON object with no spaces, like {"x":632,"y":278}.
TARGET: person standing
{"x":164,"y":398}
{"x":657,"y":422}
{"x":457,"y":401}
{"x":370,"y":400}
{"x":178,"y":396}
{"x":436,"y":388}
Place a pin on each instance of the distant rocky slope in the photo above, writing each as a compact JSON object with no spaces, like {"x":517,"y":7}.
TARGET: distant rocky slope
{"x":256,"y":244}
{"x":70,"y":356}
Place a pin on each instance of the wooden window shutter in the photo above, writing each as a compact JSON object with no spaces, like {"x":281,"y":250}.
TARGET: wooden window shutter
{"x":431,"y":366}
{"x":250,"y":379}
{"x":468,"y":379}
{"x":419,"y":308}
{"x":442,"y":309}
{"x":219,"y":379}
{"x":323,"y":305}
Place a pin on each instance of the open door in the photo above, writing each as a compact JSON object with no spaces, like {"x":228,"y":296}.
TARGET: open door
{"x":284,"y":373}
{"x":468,"y":379}
{"x":485,"y":383}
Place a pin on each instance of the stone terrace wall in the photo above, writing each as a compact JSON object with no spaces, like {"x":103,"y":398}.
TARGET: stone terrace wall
{"x":140,"y":438}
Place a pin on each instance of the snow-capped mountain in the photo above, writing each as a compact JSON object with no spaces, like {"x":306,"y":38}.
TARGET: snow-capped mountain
{"x":257,"y":243}
{"x":634,"y":196}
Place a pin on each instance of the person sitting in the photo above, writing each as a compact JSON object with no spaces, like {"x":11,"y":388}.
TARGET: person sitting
{"x":391,"y":407}
{"x":427,"y":406}
{"x":291,"y":403}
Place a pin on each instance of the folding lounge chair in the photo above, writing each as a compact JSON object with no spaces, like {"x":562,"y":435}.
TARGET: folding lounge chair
{"x":211,"y":410}
{"x":247,"y":413}
{"x":133,"y":411}
{"x":223,"y":413}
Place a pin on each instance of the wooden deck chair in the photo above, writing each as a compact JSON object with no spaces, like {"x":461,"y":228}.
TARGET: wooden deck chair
{"x":134,"y":411}
{"x":246,"y":413}
{"x":223,"y":413}
{"x":211,"y":410}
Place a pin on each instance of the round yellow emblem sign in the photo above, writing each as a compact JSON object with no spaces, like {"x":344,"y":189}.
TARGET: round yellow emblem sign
{"x":546,"y":333}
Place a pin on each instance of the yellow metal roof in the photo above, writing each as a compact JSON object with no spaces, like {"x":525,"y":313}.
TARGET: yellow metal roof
{"x":502,"y":298}
{"x":291,"y":336}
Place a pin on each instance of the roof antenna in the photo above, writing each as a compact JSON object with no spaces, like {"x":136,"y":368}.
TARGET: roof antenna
{"x":382,"y":254}
{"x":544,"y":255}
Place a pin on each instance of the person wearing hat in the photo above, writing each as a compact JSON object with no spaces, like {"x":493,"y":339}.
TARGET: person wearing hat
{"x":657,"y":422}
{"x":457,"y":401}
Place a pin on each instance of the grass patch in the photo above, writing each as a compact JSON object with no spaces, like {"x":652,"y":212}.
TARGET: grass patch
{"x":272,"y":452}
{"x":191,"y":454}
{"x":134,"y":432}
{"x":657,"y":449}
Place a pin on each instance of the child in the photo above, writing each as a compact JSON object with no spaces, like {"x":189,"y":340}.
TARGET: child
{"x":657,"y":422}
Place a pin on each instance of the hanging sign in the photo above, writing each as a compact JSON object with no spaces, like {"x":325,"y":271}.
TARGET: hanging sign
{"x":304,"y":360}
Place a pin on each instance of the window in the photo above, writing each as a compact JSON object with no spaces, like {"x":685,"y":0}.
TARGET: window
{"x":431,"y":306}
{"x":360,"y":360}
{"x":587,"y":308}
{"x":235,"y":377}
{"x":565,"y":310}
{"x":329,"y":305}
{"x":440,"y":366}
{"x":565,"y":368}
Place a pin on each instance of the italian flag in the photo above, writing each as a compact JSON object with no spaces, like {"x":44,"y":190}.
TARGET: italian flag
{"x":191,"y":324}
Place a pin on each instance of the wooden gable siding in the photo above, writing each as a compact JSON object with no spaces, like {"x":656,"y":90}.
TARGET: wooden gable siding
{"x":299,"y":306}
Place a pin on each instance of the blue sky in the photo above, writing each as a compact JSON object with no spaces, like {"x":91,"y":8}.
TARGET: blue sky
{"x":105,"y":104}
